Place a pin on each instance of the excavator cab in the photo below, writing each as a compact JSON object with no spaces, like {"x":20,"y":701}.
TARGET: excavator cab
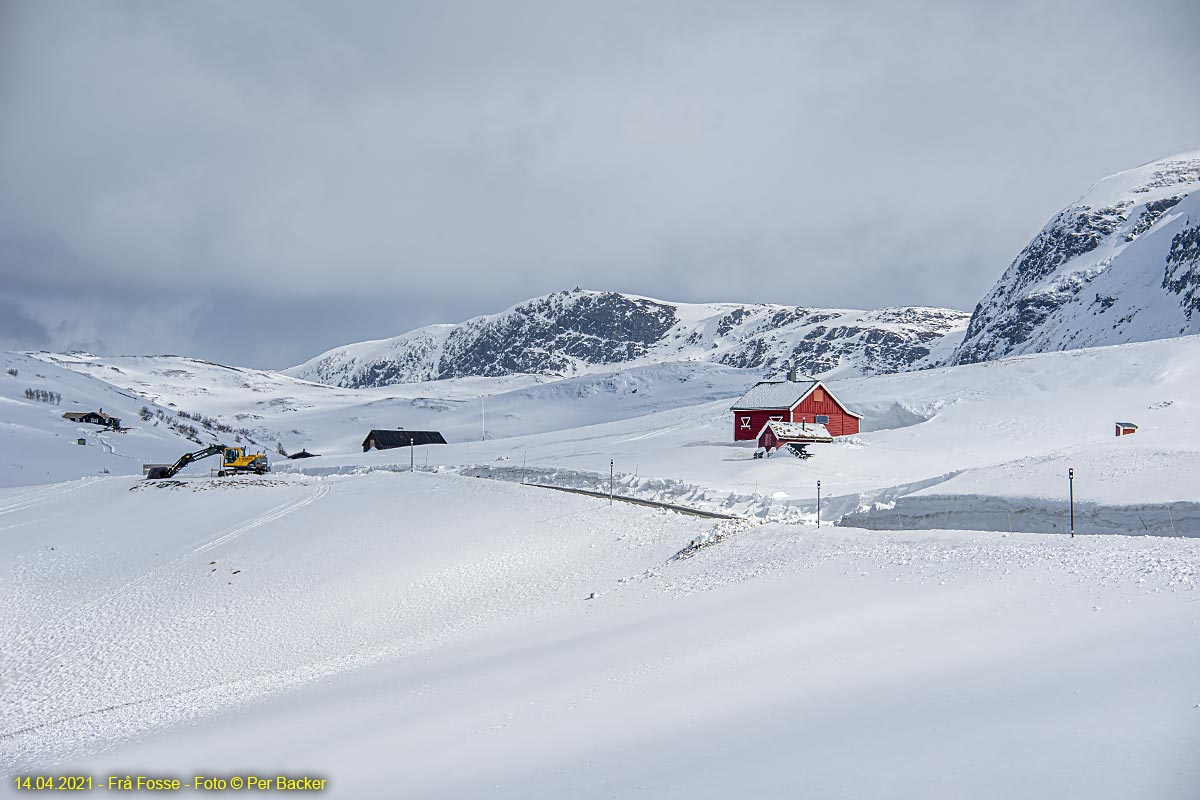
{"x":236,"y":460}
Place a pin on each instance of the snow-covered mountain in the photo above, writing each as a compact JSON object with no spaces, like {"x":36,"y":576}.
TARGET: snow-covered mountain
{"x":579,"y":331}
{"x":1121,"y":264}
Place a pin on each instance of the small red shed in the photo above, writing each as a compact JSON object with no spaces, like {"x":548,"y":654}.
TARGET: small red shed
{"x":804,"y":400}
{"x":775,"y":434}
{"x":1126,"y":428}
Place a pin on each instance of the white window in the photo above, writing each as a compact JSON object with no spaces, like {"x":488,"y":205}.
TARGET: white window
{"x":746,"y":422}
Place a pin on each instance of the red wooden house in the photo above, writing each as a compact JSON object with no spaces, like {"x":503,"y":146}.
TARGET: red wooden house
{"x":793,"y":400}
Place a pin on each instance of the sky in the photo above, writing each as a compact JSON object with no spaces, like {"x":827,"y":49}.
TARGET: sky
{"x":255,"y":183}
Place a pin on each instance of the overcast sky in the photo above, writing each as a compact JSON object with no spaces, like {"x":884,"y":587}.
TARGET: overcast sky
{"x":258,"y":182}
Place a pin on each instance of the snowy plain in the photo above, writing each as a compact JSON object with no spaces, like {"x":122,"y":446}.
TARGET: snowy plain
{"x":431,"y":633}
{"x":423,"y":635}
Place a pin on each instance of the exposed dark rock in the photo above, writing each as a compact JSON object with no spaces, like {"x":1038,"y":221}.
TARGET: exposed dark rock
{"x":1182,"y":275}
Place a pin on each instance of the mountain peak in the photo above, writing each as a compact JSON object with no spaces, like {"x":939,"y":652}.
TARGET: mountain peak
{"x":1113,"y":267}
{"x":582,"y":330}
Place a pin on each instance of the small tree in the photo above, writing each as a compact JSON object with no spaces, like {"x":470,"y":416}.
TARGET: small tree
{"x":12,"y":371}
{"x":43,"y":396}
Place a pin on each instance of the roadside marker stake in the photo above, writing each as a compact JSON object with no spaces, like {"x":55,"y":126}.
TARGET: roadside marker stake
{"x":1071,"y":480}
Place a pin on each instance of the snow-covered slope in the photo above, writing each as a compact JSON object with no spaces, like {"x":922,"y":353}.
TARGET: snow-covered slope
{"x":434,"y":636}
{"x":37,"y":445}
{"x":323,"y":419}
{"x":989,"y":440}
{"x":1121,"y":264}
{"x":998,"y":435}
{"x":574,"y":332}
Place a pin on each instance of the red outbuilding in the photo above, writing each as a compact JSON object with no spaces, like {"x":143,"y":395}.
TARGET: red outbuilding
{"x":793,"y":400}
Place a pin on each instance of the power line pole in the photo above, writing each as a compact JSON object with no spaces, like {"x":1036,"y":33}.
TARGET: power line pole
{"x":610,"y":481}
{"x":818,"y":504}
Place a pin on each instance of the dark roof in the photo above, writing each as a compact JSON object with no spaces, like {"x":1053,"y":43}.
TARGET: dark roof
{"x":303,"y":454}
{"x":386,"y":439}
{"x":78,"y":415}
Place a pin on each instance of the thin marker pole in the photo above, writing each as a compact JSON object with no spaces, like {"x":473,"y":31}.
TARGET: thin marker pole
{"x":610,"y":481}
{"x":818,"y":504}
{"x":1071,"y":479}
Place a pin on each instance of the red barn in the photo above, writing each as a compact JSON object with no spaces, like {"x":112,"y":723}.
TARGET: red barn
{"x":804,"y":400}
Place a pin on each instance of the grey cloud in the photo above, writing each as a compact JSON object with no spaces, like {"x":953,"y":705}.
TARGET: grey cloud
{"x":378,"y":166}
{"x":21,"y":330}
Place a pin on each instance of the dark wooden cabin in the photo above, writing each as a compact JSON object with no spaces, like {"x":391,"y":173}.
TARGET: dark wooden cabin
{"x":386,"y":440}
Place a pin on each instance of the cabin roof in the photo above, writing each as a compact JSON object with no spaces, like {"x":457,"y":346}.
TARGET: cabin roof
{"x":775,"y":395}
{"x":385,"y":439}
{"x":797,"y":431}
{"x":78,"y":415}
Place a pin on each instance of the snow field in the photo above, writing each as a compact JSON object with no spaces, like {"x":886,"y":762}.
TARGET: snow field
{"x":984,"y":446}
{"x":461,"y":656}
{"x":149,"y":607}
{"x":991,"y":435}
{"x":38,"y":446}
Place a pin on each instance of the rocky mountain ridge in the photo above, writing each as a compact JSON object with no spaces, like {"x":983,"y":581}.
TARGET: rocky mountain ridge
{"x":578,"y":331}
{"x":1118,"y":265}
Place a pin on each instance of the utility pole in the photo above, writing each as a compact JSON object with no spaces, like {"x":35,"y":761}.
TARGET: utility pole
{"x":412,"y":467}
{"x":610,"y":481}
{"x":1071,"y":479}
{"x":818,"y":504}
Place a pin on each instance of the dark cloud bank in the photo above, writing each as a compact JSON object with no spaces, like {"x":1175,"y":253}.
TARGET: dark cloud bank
{"x":257,"y":182}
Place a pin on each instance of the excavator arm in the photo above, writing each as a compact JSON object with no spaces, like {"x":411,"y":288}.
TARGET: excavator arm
{"x":159,"y":471}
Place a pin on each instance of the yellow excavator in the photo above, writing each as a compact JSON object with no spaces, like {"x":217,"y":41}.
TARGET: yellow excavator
{"x":234,"y":461}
